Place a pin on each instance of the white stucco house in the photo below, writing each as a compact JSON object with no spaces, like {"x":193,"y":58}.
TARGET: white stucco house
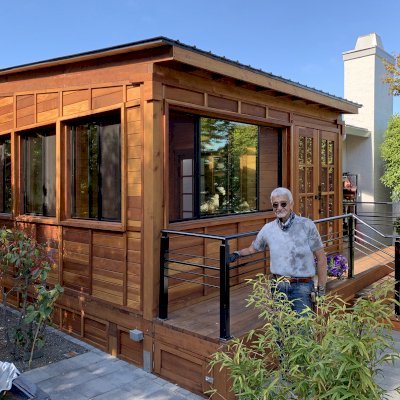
{"x":364,"y":74}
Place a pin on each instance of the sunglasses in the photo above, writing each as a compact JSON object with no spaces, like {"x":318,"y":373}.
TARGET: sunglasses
{"x":283,"y":204}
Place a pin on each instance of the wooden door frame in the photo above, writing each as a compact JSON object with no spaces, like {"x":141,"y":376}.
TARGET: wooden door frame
{"x":317,"y":135}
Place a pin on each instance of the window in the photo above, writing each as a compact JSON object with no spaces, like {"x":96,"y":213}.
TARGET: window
{"x":39,"y":166}
{"x":220,"y":167}
{"x":96,"y":168}
{"x":5,"y":175}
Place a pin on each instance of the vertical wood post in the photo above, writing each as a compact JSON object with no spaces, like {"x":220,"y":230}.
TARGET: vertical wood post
{"x":224,"y":313}
{"x":351,"y":246}
{"x":163,"y":300}
{"x":397,"y":274}
{"x":153,"y":196}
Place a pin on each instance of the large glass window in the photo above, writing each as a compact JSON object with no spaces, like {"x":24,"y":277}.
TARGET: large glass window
{"x":40,"y":172}
{"x":228,"y":167}
{"x":96,"y":168}
{"x":220,"y":167}
{"x":5,"y":174}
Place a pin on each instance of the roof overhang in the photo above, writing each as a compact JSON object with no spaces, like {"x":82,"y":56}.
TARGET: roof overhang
{"x":357,"y":131}
{"x":207,"y":61}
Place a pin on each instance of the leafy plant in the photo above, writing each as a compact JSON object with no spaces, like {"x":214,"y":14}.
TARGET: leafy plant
{"x":390,"y":151}
{"x":393,"y":76}
{"x":334,"y":353}
{"x":24,"y":268}
{"x":396,"y":225}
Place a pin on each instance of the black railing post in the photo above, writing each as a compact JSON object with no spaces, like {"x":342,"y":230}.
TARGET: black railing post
{"x":163,"y":300}
{"x":397,"y":274}
{"x":351,"y":246}
{"x":224,"y":312}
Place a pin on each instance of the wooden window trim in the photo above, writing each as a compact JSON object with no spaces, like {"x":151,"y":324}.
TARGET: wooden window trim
{"x":66,"y":160}
{"x":38,"y":219}
{"x":4,"y":138}
{"x":282,"y":163}
{"x":22,"y":168}
{"x":91,"y":224}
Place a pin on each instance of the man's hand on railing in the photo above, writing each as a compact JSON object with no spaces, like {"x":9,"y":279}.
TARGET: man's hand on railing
{"x":233,"y":257}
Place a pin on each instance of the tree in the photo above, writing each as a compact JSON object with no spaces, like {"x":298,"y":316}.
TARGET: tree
{"x":393,"y":76}
{"x":390,"y":151}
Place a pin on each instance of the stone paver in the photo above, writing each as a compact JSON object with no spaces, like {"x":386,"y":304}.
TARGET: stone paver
{"x":96,"y":375}
{"x":389,"y":379}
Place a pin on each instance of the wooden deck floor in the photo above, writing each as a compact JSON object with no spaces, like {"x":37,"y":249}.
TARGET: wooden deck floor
{"x":202,"y":319}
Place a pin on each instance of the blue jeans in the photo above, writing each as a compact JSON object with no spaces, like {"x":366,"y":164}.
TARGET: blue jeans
{"x":299,"y":293}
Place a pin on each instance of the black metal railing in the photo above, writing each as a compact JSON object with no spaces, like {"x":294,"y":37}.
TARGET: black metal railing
{"x":214,"y":272}
{"x":379,"y":214}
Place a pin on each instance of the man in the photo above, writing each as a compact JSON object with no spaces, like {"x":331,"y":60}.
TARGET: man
{"x":293,"y":243}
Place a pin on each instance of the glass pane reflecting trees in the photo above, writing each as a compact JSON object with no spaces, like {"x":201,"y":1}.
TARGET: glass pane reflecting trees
{"x":96,"y":169}
{"x":220,"y":167}
{"x":40,"y":173}
{"x":5,"y":175}
{"x":229,"y":160}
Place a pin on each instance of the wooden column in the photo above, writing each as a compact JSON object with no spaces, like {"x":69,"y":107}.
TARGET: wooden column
{"x":153,"y":196}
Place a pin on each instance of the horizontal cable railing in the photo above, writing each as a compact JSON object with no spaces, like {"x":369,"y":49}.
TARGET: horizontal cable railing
{"x":184,"y":260}
{"x":376,"y":213}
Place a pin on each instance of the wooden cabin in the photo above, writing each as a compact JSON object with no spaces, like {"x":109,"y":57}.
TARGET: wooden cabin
{"x":103,"y":150}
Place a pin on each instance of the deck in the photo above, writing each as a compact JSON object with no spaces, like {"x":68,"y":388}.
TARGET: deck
{"x":202,"y":319}
{"x":184,"y":342}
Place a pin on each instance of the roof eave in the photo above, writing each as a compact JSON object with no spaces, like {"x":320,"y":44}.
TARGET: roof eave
{"x":208,"y":61}
{"x":263,"y":79}
{"x":86,"y":56}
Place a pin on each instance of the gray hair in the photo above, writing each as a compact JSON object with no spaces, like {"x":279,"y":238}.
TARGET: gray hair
{"x":281,"y":191}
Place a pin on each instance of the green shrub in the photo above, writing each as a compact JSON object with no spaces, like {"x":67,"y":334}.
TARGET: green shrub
{"x":333,"y":354}
{"x":24,"y":268}
{"x":396,"y":225}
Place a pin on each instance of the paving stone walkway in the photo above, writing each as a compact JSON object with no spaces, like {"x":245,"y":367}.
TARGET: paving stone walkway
{"x":100,"y":376}
{"x":390,"y":377}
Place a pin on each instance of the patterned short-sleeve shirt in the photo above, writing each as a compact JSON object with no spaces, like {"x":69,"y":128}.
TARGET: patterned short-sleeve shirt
{"x":291,"y":251}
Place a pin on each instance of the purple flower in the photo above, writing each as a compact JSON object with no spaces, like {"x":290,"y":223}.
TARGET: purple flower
{"x":337,"y":265}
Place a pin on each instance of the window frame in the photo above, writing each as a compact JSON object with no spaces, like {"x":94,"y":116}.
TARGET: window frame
{"x":70,"y":171}
{"x":197,"y":115}
{"x":24,"y":135}
{"x":3,"y":139}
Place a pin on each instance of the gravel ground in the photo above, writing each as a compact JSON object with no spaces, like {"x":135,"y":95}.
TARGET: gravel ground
{"x":58,"y":345}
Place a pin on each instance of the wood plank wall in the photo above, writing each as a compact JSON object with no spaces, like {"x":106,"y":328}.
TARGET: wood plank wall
{"x":41,"y":107}
{"x":94,"y":266}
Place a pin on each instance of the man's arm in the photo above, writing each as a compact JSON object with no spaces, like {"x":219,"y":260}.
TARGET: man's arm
{"x":240,"y":253}
{"x":247,"y":251}
{"x":322,"y":267}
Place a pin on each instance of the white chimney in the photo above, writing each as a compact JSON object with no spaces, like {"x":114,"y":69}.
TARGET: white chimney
{"x":364,"y":74}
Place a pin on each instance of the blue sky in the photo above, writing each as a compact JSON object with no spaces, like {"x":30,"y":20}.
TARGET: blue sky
{"x":299,"y":40}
